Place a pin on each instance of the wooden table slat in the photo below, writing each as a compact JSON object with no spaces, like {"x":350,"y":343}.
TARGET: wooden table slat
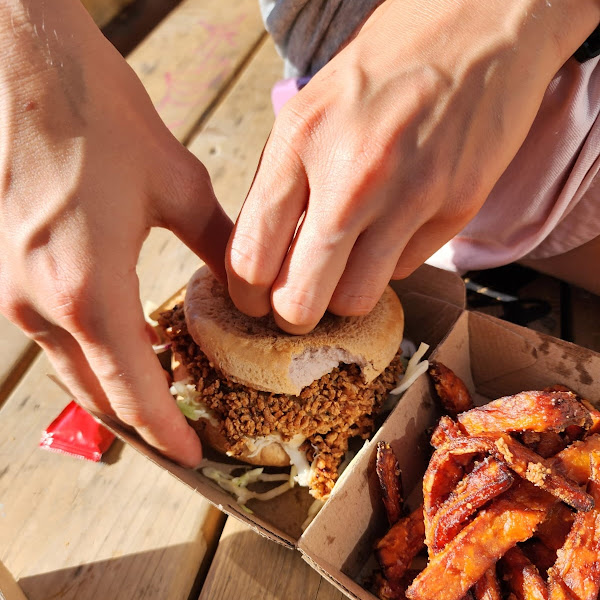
{"x":585,"y":319}
{"x":191,"y":57}
{"x":123,"y":529}
{"x":85,"y":530}
{"x":251,"y":567}
{"x":103,"y":11}
{"x":16,"y":353}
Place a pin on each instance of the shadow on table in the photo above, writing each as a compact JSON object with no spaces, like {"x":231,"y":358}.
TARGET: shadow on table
{"x":163,"y":573}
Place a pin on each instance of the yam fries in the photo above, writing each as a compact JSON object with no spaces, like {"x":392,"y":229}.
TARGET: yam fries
{"x":387,"y":590}
{"x":396,"y":550}
{"x":542,"y":473}
{"x":545,"y":443}
{"x":539,"y":554}
{"x":488,"y":587}
{"x":527,"y":411}
{"x":554,"y":530}
{"x":505,"y":514}
{"x":452,"y":392}
{"x":443,"y":472}
{"x":487,"y":480}
{"x":447,"y":429}
{"x":446,"y":469}
{"x":578,"y":564}
{"x":594,"y":415}
{"x":574,"y":460}
{"x":594,"y":412}
{"x":509,"y":519}
{"x":522,"y":577}
{"x":388,"y":473}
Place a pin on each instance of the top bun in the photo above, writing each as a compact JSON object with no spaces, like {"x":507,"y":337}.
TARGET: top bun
{"x":256,"y":353}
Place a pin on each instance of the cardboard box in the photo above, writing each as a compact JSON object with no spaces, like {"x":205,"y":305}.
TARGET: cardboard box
{"x":427,"y":319}
{"x":495,"y":359}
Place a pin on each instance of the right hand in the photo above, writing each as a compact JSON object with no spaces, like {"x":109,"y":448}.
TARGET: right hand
{"x":392,"y":148}
{"x":87,"y":168}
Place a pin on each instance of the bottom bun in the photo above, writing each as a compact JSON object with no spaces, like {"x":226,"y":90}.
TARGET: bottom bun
{"x":268,"y":455}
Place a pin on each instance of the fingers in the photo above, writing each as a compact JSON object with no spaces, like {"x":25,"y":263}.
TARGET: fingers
{"x":424,"y":243}
{"x":311,"y":271}
{"x":66,"y":356}
{"x":112,"y":333}
{"x":368,"y":271}
{"x":265,"y":229}
{"x":191,"y":211}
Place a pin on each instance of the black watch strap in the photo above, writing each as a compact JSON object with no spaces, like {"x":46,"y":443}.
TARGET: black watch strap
{"x":590,"y":48}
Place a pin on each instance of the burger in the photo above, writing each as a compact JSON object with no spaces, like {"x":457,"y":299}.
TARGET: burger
{"x":273,"y":399}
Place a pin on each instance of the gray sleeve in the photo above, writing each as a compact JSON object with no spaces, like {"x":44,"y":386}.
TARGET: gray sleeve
{"x":308,"y":33}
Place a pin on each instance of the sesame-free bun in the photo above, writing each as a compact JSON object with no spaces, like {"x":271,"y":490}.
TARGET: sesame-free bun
{"x":256,"y":353}
{"x":266,"y":455}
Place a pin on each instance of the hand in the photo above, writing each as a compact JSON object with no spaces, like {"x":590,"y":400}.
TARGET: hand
{"x":87,"y":168}
{"x":392,"y":148}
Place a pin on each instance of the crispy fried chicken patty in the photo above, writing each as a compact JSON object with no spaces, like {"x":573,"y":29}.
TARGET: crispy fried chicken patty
{"x":327,"y":413}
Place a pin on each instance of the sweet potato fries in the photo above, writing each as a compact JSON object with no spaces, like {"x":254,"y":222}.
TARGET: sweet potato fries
{"x":511,"y":501}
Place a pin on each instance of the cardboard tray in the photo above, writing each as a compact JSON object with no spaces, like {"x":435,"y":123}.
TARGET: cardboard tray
{"x":427,"y":319}
{"x":494,"y":358}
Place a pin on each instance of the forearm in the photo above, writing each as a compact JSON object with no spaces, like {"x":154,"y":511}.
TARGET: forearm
{"x":45,"y":52}
{"x":35,"y":35}
{"x":543,"y":33}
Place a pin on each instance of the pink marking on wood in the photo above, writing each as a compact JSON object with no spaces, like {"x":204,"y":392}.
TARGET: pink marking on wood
{"x":180,"y":92}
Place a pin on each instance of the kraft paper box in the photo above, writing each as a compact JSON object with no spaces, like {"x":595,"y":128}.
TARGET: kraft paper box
{"x":433,"y":300}
{"x":495,"y":359}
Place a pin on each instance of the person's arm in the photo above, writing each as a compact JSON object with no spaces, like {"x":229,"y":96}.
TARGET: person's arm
{"x":392,"y":148}
{"x":86,"y":168}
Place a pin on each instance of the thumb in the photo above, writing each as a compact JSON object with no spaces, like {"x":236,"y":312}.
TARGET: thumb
{"x":189,"y":208}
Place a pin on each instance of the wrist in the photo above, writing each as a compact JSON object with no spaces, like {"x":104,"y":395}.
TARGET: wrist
{"x":40,"y":36}
{"x":581,"y":18}
{"x":524,"y":39}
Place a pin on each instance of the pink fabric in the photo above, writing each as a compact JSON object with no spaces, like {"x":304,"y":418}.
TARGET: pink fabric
{"x":548,"y":200}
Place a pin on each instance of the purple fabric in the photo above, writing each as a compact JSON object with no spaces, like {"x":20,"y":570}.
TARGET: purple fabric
{"x":284,"y":90}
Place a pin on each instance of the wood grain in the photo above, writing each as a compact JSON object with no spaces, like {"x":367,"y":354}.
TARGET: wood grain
{"x":75,"y":529}
{"x":585,"y":318}
{"x":16,"y":353}
{"x":251,"y":567}
{"x":135,"y":22}
{"x":192,"y":56}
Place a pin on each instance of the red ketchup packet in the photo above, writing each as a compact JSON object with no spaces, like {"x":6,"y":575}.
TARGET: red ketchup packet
{"x":77,"y":433}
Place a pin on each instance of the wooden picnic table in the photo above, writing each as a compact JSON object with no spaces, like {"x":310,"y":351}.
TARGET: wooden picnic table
{"x":124,"y":528}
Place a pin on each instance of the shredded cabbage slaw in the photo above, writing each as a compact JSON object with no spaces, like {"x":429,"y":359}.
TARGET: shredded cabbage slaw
{"x":238,"y":486}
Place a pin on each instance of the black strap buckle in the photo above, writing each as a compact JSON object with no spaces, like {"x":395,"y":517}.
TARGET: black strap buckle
{"x":590,"y":48}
